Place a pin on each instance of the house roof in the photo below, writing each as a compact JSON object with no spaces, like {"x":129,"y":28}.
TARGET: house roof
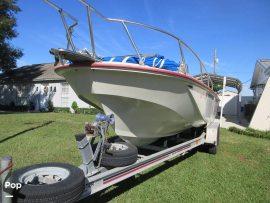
{"x":262,"y":65}
{"x":36,"y":73}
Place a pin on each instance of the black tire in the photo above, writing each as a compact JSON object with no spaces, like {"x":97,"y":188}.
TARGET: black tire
{"x":118,"y":158}
{"x":212,"y":149}
{"x":67,"y":190}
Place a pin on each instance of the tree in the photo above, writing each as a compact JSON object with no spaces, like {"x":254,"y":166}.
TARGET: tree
{"x":8,"y":53}
{"x":74,"y":106}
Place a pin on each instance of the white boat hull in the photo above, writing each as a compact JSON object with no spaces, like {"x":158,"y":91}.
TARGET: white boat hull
{"x":147,"y":104}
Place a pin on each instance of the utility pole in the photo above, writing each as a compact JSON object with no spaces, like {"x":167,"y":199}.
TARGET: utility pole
{"x":215,"y":61}
{"x":222,"y":100}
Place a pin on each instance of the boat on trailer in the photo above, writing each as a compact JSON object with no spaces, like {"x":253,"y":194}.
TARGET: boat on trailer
{"x":147,"y":103}
{"x":142,"y":103}
{"x":148,"y":100}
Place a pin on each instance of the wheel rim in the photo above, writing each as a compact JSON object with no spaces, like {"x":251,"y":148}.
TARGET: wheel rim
{"x":118,"y":147}
{"x":44,"y":176}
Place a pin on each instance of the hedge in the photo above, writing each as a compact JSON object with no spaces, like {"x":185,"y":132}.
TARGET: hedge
{"x":91,"y":111}
{"x":20,"y":108}
{"x":251,"y":132}
{"x":25,"y":108}
{"x":61,"y":110}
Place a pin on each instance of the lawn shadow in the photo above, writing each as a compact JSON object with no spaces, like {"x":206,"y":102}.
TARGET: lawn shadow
{"x":27,"y":130}
{"x":134,"y":181}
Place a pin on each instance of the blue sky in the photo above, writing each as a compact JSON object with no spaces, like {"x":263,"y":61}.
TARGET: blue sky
{"x":238,"y":29}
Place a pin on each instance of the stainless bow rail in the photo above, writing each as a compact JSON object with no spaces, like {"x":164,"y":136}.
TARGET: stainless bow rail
{"x":69,"y":29}
{"x":90,"y":9}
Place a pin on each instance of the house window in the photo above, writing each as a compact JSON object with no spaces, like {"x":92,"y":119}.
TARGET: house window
{"x":64,"y":94}
{"x":64,"y":102}
{"x":65,"y":88}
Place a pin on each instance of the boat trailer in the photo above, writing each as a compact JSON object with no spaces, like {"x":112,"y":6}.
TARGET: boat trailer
{"x":94,"y":176}
{"x":106,"y":178}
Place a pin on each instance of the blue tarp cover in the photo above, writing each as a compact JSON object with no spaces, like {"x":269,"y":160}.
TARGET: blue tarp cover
{"x":157,"y":61}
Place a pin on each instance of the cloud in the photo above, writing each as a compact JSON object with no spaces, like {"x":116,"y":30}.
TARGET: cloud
{"x":171,"y":23}
{"x":219,"y":65}
{"x":56,"y":41}
{"x":207,"y":64}
{"x":101,"y":42}
{"x":149,"y":13}
{"x":158,"y":45}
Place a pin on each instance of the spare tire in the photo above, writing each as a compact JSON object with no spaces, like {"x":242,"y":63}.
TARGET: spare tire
{"x":119,"y":154}
{"x":49,"y":182}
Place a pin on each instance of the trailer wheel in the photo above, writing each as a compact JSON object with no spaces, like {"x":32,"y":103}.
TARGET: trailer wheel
{"x":48,"y":182}
{"x":119,"y":154}
{"x":213,"y":148}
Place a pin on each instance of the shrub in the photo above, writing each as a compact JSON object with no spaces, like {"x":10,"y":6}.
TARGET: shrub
{"x":31,"y":106}
{"x":61,"y":110}
{"x":91,"y":111}
{"x":12,"y":107}
{"x":21,"y":108}
{"x":249,"y":111}
{"x":74,"y":106}
{"x":50,"y":106}
{"x":251,"y":132}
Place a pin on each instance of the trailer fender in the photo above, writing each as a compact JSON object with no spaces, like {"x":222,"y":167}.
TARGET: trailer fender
{"x":212,"y":133}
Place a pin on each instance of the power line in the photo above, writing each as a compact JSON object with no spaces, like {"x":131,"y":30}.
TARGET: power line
{"x":247,"y":81}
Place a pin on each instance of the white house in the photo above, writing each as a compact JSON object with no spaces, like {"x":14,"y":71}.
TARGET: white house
{"x":36,"y":84}
{"x":260,"y":85}
{"x":260,"y":76}
{"x":230,"y":103}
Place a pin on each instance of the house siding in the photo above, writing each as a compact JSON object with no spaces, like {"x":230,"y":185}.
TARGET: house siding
{"x":60,"y":93}
{"x":260,"y":77}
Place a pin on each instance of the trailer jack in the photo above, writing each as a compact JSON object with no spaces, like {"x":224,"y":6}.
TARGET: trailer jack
{"x":85,"y":143}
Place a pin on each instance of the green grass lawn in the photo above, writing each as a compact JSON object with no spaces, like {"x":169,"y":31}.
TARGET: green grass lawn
{"x":240,"y":172}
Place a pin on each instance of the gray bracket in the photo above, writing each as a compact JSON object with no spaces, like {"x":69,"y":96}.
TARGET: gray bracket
{"x":84,"y":144}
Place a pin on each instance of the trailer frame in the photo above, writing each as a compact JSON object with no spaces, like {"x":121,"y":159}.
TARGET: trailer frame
{"x":99,"y":178}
